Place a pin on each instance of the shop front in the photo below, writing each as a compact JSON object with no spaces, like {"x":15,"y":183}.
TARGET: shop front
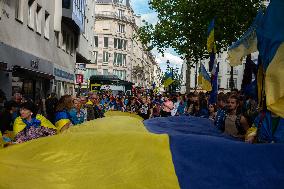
{"x":64,"y":81}
{"x":24,"y":73}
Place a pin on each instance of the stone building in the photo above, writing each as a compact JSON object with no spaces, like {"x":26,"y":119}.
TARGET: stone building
{"x":38,"y":41}
{"x":116,"y":49}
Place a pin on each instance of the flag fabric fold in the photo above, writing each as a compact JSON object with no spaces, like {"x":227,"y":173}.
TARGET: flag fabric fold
{"x":247,"y":44}
{"x":204,"y":80}
{"x":168,"y":79}
{"x":210,"y":37}
{"x":270,"y":36}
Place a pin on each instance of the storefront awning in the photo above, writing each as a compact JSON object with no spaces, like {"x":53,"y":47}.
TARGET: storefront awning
{"x":22,"y":71}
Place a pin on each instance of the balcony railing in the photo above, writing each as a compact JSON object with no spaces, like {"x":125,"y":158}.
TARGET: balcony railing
{"x":114,"y":16}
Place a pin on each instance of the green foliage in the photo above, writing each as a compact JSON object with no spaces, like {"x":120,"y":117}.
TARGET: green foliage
{"x":183,"y":25}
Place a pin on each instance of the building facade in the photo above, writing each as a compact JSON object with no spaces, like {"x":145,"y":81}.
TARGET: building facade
{"x":116,"y":50}
{"x":38,"y":41}
{"x":85,"y":50}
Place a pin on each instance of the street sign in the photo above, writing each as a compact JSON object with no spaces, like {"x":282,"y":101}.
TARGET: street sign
{"x":79,"y":78}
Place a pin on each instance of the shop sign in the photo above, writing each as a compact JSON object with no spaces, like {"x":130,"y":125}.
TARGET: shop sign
{"x":63,"y":74}
{"x":79,"y":78}
{"x":81,"y":66}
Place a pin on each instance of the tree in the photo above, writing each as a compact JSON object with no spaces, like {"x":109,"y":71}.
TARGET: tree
{"x":183,"y":25}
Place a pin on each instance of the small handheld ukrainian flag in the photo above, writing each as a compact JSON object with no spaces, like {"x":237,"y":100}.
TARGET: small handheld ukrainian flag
{"x":210,"y":37}
{"x":204,"y":80}
{"x":168,"y":79}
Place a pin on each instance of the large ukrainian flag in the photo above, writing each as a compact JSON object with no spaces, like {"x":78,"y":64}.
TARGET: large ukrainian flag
{"x":119,"y":152}
{"x":204,"y":80}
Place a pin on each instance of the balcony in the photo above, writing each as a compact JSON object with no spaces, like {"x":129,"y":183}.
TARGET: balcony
{"x":112,"y":15}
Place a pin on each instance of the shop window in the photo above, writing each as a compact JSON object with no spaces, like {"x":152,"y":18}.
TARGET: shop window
{"x":19,"y":14}
{"x":46,"y":25}
{"x":38,"y":19}
{"x":31,"y":13}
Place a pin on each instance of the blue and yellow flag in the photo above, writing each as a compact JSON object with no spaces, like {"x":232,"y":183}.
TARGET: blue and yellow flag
{"x":210,"y":37}
{"x":270,"y":38}
{"x":204,"y":80}
{"x":120,"y":152}
{"x":168,"y":79}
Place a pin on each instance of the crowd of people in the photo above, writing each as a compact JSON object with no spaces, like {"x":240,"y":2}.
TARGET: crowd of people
{"x":234,"y":114}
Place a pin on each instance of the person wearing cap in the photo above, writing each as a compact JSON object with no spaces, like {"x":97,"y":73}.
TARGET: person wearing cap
{"x":30,"y":125}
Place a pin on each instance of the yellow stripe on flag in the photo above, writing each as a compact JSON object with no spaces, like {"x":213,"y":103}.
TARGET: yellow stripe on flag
{"x":274,"y":83}
{"x":115,"y":152}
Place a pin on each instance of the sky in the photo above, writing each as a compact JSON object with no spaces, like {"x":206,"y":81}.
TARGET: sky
{"x":141,"y":7}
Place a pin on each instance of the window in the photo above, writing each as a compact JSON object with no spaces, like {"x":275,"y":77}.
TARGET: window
{"x":96,"y":41}
{"x":66,"y":4}
{"x":124,"y":60}
{"x":120,"y":43}
{"x":19,"y":10}
{"x":38,"y":19}
{"x":120,"y":73}
{"x":235,"y":71}
{"x":120,"y":13}
{"x":57,"y":38}
{"x":119,"y":59}
{"x":105,"y":71}
{"x":235,"y":83}
{"x":219,"y":83}
{"x":95,"y":59}
{"x":106,"y":42}
{"x":105,"y":57}
{"x":125,"y":45}
{"x":31,"y":15}
{"x":90,"y":72}
{"x":121,"y":28}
